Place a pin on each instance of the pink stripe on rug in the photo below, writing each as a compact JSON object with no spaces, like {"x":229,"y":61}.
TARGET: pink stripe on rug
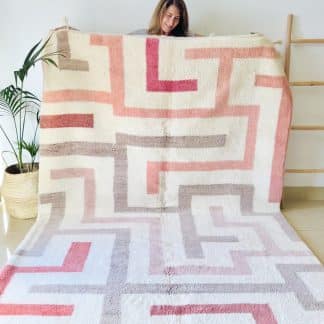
{"x":76,"y":95}
{"x":154,"y":168}
{"x":152,"y":72}
{"x":35,"y":310}
{"x":73,"y":262}
{"x":67,"y":120}
{"x":261,"y":312}
{"x":282,"y":131}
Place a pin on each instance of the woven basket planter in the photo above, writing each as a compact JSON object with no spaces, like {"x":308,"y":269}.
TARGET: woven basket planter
{"x":20,"y":193}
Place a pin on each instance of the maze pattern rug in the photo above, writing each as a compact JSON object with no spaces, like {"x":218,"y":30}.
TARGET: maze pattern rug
{"x":161,"y":172}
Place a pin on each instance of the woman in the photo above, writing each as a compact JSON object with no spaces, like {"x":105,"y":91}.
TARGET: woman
{"x":170,"y":18}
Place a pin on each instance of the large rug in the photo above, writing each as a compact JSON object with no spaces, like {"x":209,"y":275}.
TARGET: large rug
{"x":161,"y":175}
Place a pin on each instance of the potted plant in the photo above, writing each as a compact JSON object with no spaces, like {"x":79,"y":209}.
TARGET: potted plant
{"x":20,"y":181}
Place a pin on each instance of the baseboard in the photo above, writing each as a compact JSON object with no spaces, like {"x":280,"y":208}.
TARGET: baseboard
{"x":303,"y":193}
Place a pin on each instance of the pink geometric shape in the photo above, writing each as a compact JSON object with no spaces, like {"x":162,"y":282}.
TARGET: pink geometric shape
{"x":77,"y":95}
{"x":67,"y":120}
{"x":261,"y":313}
{"x":281,"y":139}
{"x":225,"y":57}
{"x":117,"y":95}
{"x":73,"y":262}
{"x":35,"y":310}
{"x":152,"y":72}
{"x":155,"y":167}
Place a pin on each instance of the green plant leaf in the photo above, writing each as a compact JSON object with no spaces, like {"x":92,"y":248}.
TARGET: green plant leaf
{"x":38,"y":116}
{"x":33,"y":58}
{"x":17,"y":103}
{"x":32,"y":148}
{"x":30,"y":60}
{"x":30,"y":53}
{"x":14,"y":99}
{"x":48,"y":60}
{"x":20,"y":74}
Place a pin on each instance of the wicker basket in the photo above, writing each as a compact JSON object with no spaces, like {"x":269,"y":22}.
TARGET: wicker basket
{"x":20,"y":193}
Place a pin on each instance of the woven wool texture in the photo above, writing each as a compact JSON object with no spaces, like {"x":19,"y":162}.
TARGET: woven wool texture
{"x":161,"y":174}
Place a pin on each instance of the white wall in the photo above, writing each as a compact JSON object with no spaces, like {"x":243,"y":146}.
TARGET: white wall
{"x":23,"y":23}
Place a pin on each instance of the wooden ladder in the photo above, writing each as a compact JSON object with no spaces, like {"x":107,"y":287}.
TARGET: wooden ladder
{"x":289,"y":42}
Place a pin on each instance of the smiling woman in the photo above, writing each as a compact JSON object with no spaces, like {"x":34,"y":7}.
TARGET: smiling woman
{"x":170,"y":18}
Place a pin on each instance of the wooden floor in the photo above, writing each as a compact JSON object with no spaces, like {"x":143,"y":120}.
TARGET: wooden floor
{"x":307,"y":218}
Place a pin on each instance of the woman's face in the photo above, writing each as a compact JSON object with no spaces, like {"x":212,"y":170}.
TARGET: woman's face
{"x":170,"y":19}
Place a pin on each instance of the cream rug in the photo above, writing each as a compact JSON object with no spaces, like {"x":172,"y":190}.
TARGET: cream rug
{"x":161,"y":174}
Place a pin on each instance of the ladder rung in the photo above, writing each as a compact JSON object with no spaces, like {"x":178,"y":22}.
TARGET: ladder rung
{"x":304,"y":170}
{"x":307,"y":128}
{"x":308,"y":41}
{"x":306,"y":83}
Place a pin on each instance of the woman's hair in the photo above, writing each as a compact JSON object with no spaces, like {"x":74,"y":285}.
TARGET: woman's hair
{"x":183,"y":26}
